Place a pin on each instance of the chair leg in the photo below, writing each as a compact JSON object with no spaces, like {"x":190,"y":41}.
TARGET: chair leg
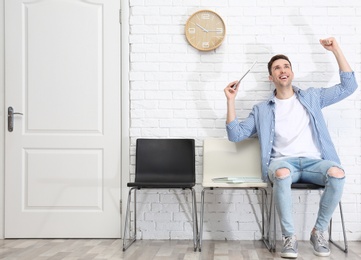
{"x":345,"y":248}
{"x":201,"y":221}
{"x":127,"y":225}
{"x":195,"y":220}
{"x":265,"y":234}
{"x":272,"y":216}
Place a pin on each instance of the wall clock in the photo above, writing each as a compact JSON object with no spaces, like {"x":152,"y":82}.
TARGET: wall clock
{"x":205,"y":30}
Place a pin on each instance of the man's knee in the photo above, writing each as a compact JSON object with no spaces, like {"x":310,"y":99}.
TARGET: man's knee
{"x":282,"y":173}
{"x":336,"y":172}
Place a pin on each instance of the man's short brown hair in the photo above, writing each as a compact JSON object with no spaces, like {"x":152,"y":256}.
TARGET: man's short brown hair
{"x":274,"y":58}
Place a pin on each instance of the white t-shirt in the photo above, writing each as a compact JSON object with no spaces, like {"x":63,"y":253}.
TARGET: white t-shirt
{"x":293,"y":131}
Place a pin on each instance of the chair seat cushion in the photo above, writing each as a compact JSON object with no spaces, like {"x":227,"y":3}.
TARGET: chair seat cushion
{"x":310,"y":186}
{"x":165,"y":185}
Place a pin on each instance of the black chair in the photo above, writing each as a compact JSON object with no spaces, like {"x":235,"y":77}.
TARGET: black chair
{"x":310,"y":186}
{"x":162,"y":164}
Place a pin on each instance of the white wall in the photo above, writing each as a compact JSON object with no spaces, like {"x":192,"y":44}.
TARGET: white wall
{"x":177,"y":91}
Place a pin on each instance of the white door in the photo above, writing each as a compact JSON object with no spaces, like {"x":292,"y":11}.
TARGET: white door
{"x":62,"y":72}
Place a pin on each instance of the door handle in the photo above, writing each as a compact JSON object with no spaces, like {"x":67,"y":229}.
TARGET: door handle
{"x":11,"y":114}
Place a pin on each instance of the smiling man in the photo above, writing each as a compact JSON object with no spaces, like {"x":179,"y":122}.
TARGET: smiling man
{"x":295,"y":143}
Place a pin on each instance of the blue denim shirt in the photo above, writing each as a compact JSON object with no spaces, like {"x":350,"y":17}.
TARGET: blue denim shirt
{"x":261,"y":120}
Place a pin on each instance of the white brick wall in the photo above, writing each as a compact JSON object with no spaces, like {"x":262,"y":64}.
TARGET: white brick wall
{"x":177,"y":92}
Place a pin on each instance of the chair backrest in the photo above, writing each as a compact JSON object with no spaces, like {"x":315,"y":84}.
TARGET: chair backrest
{"x":165,"y":161}
{"x":222,"y":158}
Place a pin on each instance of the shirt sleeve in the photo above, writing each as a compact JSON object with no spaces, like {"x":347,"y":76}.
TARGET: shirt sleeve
{"x":238,"y":131}
{"x":336,"y":93}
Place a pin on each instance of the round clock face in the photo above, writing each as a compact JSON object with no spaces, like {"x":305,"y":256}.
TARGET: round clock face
{"x":205,"y":30}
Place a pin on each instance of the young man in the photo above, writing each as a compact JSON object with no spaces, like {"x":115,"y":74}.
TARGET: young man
{"x":295,"y":143}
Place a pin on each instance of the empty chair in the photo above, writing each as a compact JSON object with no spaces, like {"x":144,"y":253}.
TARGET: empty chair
{"x":228,"y":165}
{"x":162,"y":164}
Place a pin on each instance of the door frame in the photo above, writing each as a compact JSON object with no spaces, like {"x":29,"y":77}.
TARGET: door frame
{"x":2,"y":119}
{"x":125,"y":107}
{"x":124,"y":99}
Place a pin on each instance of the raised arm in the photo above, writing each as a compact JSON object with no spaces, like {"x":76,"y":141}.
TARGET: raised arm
{"x":231,"y":101}
{"x":331,"y":44}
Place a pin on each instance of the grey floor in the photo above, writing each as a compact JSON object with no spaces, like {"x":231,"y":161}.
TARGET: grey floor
{"x":72,"y":249}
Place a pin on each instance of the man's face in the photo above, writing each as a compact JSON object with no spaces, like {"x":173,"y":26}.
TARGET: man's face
{"x":282,"y":74}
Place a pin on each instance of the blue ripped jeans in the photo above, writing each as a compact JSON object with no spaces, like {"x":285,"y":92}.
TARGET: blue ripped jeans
{"x":310,"y":171}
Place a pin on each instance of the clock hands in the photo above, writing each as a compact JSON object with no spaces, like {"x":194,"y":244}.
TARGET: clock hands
{"x":204,"y":29}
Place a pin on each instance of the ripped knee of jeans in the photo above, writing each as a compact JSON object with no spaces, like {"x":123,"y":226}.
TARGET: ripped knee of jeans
{"x":282,"y":173}
{"x":336,"y":172}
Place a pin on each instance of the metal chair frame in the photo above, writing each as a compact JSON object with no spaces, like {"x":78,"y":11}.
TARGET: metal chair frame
{"x":265,"y":234}
{"x":132,"y":236}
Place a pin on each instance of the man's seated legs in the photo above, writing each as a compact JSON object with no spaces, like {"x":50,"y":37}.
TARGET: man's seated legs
{"x":322,"y":172}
